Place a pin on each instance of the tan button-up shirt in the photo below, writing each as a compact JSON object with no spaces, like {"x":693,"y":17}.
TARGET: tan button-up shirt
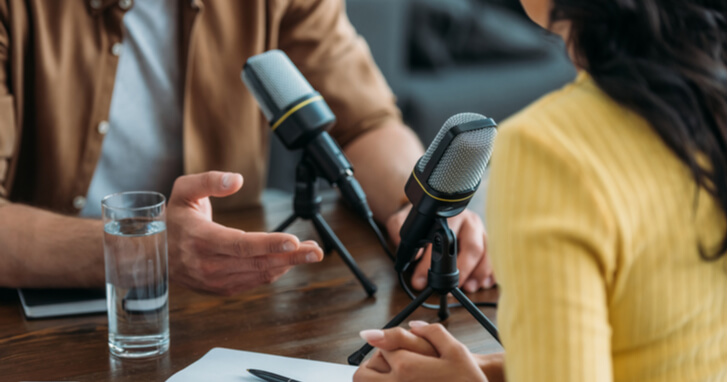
{"x":58,"y":69}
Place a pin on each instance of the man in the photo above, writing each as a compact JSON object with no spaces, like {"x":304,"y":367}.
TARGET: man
{"x":100,"y":96}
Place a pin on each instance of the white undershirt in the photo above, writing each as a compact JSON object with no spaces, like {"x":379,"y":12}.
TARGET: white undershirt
{"x":143,"y":147}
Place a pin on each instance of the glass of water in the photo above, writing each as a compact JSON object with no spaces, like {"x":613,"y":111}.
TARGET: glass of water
{"x":135,"y":250}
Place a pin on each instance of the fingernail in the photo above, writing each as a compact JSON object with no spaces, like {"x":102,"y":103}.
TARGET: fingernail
{"x":371,"y":335}
{"x":488,"y":283}
{"x":419,"y":282}
{"x":288,"y":246}
{"x":227,"y":180}
{"x":311,"y":257}
{"x":417,"y":324}
{"x":471,"y":286}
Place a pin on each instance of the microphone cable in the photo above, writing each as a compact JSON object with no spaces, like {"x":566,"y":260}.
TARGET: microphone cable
{"x":403,"y":283}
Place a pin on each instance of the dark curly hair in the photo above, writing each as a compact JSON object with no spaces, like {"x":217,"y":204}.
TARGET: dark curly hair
{"x":665,"y":60}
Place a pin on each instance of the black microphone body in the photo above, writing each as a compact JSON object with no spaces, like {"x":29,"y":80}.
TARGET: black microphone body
{"x":333,"y":166}
{"x":415,"y":231}
{"x":302,"y":121}
{"x":431,"y":203}
{"x":300,"y":118}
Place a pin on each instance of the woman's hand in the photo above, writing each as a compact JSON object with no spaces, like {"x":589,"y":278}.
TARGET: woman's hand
{"x":391,"y":340}
{"x":492,"y":365}
{"x":402,"y":357}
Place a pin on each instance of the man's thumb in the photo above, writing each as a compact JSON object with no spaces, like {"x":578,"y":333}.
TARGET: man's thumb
{"x":211,"y":183}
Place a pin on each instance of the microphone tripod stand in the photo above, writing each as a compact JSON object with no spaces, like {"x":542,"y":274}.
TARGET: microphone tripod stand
{"x":442,"y":278}
{"x":307,"y":206}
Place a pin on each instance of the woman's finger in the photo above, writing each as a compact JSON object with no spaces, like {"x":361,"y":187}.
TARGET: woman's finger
{"x":436,"y":334}
{"x":398,"y":338}
{"x":378,"y":363}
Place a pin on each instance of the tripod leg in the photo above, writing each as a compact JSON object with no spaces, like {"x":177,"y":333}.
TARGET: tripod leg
{"x":327,"y":234}
{"x":475,"y":312}
{"x":358,"y":356}
{"x":328,"y":245}
{"x":282,"y":227}
{"x":443,"y":313}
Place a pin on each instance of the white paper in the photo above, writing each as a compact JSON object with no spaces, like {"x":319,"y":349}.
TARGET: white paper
{"x":222,"y":365}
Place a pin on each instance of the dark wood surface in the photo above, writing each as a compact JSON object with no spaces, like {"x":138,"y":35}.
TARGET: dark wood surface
{"x":315,"y":312}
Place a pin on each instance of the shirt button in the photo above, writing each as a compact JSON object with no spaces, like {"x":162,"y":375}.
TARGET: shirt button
{"x":103,"y":127}
{"x":95,"y":4}
{"x":125,"y":4}
{"x":116,"y":49}
{"x":79,"y":202}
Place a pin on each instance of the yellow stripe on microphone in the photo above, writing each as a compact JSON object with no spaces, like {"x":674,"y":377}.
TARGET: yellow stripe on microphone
{"x":435,"y":197}
{"x":295,"y":109}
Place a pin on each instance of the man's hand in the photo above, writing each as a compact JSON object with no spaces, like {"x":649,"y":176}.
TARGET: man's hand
{"x":400,"y":360}
{"x":208,"y":256}
{"x":473,"y":262}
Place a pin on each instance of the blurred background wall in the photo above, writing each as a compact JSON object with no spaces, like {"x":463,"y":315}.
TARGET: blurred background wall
{"x":443,"y":57}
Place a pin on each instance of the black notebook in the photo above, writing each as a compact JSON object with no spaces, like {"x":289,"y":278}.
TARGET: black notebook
{"x":44,"y":303}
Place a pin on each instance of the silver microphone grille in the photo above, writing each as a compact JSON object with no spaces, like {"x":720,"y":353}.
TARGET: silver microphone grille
{"x":279,"y":77}
{"x":462,"y":165}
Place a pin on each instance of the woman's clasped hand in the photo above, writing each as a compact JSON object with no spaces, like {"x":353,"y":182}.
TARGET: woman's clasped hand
{"x":426,"y":352}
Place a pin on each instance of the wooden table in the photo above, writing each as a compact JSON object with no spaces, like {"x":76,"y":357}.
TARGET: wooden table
{"x":315,"y":311}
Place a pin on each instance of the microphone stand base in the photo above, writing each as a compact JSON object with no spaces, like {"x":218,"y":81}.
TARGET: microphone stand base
{"x":442,"y":279}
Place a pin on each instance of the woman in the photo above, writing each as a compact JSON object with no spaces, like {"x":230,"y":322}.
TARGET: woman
{"x":606,"y":210}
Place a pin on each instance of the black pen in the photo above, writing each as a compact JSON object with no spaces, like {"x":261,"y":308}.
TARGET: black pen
{"x":270,"y":377}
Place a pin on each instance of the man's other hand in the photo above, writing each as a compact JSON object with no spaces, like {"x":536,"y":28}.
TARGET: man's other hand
{"x":473,"y":262}
{"x":208,"y":256}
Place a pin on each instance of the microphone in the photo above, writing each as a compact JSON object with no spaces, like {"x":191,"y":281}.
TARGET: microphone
{"x":444,"y":179}
{"x":300,"y":118}
{"x":442,"y":183}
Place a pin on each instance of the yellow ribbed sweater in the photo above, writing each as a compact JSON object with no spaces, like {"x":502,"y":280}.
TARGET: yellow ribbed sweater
{"x":594,"y":227}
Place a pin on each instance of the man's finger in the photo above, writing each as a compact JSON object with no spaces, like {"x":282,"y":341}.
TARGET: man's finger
{"x":189,"y":188}
{"x":419,"y":276}
{"x":398,"y":338}
{"x":229,"y":241}
{"x":482,"y":276}
{"x":393,"y":232}
{"x":394,"y":223}
{"x":220,"y":265}
{"x":471,"y":250}
{"x":305,"y":254}
{"x":239,"y":282}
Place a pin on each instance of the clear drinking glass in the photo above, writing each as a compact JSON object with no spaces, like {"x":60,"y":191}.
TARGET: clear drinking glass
{"x":135,"y":250}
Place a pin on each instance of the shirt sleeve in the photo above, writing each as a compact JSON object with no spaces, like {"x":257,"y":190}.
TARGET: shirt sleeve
{"x":550,"y":239}
{"x":7,"y":110}
{"x":320,"y":40}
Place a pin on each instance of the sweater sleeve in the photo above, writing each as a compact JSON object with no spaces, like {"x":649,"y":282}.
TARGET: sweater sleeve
{"x":553,"y":252}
